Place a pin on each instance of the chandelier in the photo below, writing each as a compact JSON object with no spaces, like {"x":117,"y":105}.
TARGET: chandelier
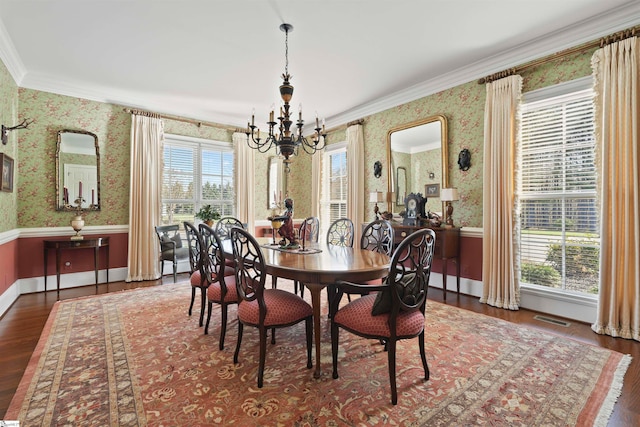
{"x":287,"y":141}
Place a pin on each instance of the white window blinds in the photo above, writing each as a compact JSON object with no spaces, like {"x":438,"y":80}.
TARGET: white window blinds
{"x":196,"y":173}
{"x":334,"y":189}
{"x":557,"y":193}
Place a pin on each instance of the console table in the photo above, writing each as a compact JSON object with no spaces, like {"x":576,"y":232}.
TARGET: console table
{"x":59,"y":245}
{"x":447,"y":248}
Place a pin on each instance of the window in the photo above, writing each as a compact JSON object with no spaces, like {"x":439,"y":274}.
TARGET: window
{"x":196,"y":172}
{"x":559,"y":225}
{"x":334,"y":185}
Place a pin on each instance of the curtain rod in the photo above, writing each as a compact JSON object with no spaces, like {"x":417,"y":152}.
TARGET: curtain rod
{"x":346,"y":125}
{"x":612,"y":38}
{"x":198,"y":123}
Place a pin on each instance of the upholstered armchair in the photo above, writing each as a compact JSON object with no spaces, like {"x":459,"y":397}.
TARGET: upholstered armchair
{"x":171,"y":248}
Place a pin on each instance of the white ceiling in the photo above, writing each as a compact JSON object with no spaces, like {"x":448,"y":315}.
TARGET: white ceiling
{"x":217,"y":60}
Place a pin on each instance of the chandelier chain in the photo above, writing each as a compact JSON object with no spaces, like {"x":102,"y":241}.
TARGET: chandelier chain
{"x":286,"y":52}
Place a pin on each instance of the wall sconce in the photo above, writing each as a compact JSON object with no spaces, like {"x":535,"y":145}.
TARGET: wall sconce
{"x":4,"y":131}
{"x":377,"y":169}
{"x":376,"y":197}
{"x":449,"y":195}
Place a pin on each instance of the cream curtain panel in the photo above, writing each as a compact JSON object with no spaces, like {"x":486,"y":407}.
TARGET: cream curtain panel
{"x":145,"y":197}
{"x":617,"y":87}
{"x":245,"y":181}
{"x":355,"y":178}
{"x":501,"y":286}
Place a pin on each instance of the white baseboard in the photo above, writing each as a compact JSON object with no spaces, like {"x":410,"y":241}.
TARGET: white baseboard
{"x":575,"y":307}
{"x":69,"y":280}
{"x":8,"y":297}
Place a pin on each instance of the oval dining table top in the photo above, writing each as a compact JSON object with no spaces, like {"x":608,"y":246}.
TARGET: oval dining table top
{"x":332,"y":263}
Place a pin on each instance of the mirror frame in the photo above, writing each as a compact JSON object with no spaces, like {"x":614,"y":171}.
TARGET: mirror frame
{"x":279,"y":163}
{"x":68,"y":207}
{"x":444,"y":151}
{"x":400,"y":200}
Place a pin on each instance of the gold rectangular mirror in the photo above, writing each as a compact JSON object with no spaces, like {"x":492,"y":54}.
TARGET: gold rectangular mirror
{"x":419,"y":151}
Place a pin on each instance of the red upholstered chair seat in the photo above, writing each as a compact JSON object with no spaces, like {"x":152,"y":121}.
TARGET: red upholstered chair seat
{"x":356,"y":316}
{"x":196,"y":276}
{"x":195,"y":279}
{"x":214,"y":292}
{"x":283,"y":308}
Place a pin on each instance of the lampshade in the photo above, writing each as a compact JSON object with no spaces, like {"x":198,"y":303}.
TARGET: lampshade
{"x":449,"y":194}
{"x":376,"y":197}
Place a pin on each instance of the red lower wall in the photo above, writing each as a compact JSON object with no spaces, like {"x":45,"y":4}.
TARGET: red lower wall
{"x":8,"y":265}
{"x":30,"y":255}
{"x":24,"y":258}
{"x":470,"y":260}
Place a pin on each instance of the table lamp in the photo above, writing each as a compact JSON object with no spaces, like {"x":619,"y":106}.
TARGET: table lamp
{"x":449,"y":195}
{"x":376,"y":197}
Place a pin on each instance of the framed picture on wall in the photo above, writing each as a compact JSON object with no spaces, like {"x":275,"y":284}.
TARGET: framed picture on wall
{"x":432,"y":190}
{"x":6,"y":178}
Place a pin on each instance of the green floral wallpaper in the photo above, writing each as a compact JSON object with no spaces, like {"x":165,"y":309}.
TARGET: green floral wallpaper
{"x":9,"y":117}
{"x":51,"y":112}
{"x":32,"y":203}
{"x":463,"y":106}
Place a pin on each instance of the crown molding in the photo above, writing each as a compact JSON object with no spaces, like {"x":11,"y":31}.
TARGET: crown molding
{"x":617,"y":19}
{"x":10,"y":57}
{"x":621,"y":18}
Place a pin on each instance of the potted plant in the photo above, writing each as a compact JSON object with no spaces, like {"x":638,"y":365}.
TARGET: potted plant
{"x":208,"y":214}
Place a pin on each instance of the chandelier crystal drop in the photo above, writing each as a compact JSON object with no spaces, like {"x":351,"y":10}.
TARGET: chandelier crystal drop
{"x":287,"y":141}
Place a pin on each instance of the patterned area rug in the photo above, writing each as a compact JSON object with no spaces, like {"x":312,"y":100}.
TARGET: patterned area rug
{"x":135,"y":358}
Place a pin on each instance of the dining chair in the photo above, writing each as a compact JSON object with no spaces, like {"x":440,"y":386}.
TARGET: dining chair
{"x":396,"y":311}
{"x":171,"y":248}
{"x":222,"y":229}
{"x":309,"y":231}
{"x":378,"y":236}
{"x":341,"y":233}
{"x":220,"y":278}
{"x":225,"y":224}
{"x":264,"y":308}
{"x":195,"y":245}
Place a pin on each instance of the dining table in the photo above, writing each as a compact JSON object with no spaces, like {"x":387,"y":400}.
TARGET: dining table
{"x":318,"y":266}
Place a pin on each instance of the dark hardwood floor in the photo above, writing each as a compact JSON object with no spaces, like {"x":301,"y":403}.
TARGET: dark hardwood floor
{"x":22,"y":324}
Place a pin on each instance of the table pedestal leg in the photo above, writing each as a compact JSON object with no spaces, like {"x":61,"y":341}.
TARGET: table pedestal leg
{"x":315,"y":303}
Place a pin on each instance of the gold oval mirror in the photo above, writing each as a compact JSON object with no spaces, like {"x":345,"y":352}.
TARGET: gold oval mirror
{"x":419,"y":150}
